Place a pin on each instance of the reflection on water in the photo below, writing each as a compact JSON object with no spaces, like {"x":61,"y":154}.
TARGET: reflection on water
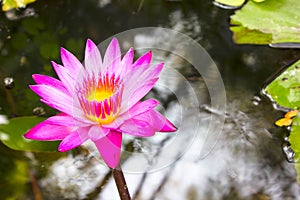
{"x":247,"y":161}
{"x":73,"y":177}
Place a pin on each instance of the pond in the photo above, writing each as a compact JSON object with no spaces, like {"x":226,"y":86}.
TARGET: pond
{"x":229,"y":152}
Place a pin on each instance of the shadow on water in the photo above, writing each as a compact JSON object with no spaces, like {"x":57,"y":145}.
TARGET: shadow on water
{"x":246,"y":163}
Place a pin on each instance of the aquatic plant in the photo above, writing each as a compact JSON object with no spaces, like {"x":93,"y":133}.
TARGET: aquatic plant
{"x":100,"y":101}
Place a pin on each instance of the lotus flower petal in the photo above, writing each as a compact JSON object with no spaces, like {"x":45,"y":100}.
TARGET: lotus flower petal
{"x":96,"y":132}
{"x":125,"y":65}
{"x":71,"y":63}
{"x":66,"y":120}
{"x":110,"y":148}
{"x":146,"y":124}
{"x":92,"y":60}
{"x":55,"y":97}
{"x":74,"y":139}
{"x":139,"y":128}
{"x":137,"y":95}
{"x":144,"y":60}
{"x":112,"y":57}
{"x":137,"y":109}
{"x":67,"y":80}
{"x":46,"y":131}
{"x":160,"y":123}
{"x":47,"y":80}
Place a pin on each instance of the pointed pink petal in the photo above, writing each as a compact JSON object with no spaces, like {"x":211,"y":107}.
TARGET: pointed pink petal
{"x":71,"y":63}
{"x":112,"y":57}
{"x":74,"y":139}
{"x":66,"y":78}
{"x":54,"y":98}
{"x":137,"y":109}
{"x":133,"y":79}
{"x":96,"y":132}
{"x":136,"y":72}
{"x":75,"y":111}
{"x":128,"y":58}
{"x":152,"y":72}
{"x":66,"y":120}
{"x":132,"y":97}
{"x":92,"y":60}
{"x":143,"y":60}
{"x":47,"y":80}
{"x":143,"y":106}
{"x":160,"y":123}
{"x":141,"y":77}
{"x":109,"y":148}
{"x":146,"y":124}
{"x":45,"y":131}
{"x":125,"y":65}
{"x":137,"y":127}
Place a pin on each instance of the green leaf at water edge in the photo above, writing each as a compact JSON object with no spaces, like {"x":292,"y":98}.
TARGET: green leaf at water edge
{"x":294,"y":138}
{"x":285,"y":89}
{"x":244,"y":35}
{"x":278,"y":18}
{"x":11,"y":135}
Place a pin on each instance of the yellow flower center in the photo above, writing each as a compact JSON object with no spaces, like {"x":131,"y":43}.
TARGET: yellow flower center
{"x":99,"y":94}
{"x":101,"y":99}
{"x":102,"y":95}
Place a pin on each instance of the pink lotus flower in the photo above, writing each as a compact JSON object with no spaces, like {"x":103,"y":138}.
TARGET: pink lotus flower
{"x":99,"y":101}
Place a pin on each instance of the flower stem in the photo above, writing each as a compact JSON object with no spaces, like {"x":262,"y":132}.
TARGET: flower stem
{"x":121,"y":183}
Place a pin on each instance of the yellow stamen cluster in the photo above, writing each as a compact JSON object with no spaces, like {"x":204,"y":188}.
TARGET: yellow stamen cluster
{"x":101,"y":99}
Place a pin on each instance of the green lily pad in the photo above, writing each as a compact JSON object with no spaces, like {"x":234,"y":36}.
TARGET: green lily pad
{"x":276,"y":18}
{"x":285,"y":89}
{"x":243,"y":35}
{"x":294,"y":138}
{"x":11,"y":135}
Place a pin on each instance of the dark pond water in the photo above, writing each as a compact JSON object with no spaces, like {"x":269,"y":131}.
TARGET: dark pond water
{"x":246,"y":163}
